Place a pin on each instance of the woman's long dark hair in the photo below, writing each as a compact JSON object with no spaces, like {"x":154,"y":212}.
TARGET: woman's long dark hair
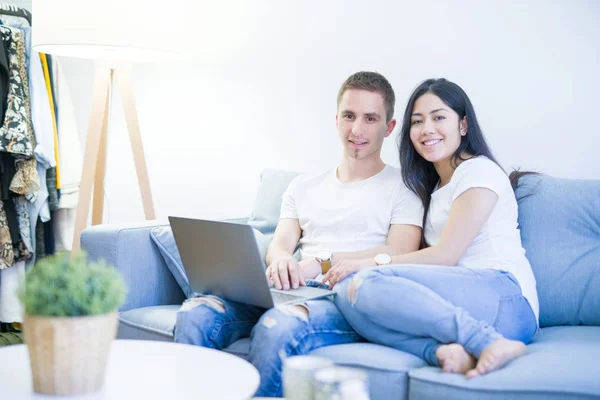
{"x":419,"y":174}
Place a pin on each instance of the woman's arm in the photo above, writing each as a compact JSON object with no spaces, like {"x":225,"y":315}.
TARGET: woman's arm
{"x":468,"y":214}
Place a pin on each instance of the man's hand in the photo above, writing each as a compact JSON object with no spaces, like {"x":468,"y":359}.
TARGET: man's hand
{"x":344,"y":268}
{"x":286,"y":273}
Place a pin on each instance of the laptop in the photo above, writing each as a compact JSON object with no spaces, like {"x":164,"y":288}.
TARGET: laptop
{"x":223,"y":259}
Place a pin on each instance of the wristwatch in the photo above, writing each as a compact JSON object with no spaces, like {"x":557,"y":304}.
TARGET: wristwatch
{"x":324,"y":258}
{"x":383,"y":259}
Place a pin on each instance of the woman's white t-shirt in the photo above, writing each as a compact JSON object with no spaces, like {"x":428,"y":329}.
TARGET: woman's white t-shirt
{"x":498,"y":243}
{"x":338,"y":217}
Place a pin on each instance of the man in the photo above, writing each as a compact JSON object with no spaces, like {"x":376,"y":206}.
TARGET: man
{"x":359,"y":209}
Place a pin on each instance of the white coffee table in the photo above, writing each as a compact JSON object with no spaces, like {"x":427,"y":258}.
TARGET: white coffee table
{"x":140,"y":369}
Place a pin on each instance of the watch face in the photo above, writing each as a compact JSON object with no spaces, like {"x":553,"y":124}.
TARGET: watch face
{"x":324,"y":255}
{"x":383,"y":259}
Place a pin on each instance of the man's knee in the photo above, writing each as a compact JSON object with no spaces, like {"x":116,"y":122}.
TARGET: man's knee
{"x":211,"y":302}
{"x":283,"y":320}
{"x":196,"y":317}
{"x":299,"y":311}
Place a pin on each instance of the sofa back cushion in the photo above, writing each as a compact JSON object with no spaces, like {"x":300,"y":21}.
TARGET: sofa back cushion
{"x":267,"y":206}
{"x":560,"y":229}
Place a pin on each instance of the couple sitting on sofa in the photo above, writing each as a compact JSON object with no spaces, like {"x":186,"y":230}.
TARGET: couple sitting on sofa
{"x":432,"y":253}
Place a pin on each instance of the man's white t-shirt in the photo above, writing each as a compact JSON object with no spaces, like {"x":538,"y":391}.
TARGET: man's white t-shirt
{"x":498,"y":244}
{"x":339,"y":217}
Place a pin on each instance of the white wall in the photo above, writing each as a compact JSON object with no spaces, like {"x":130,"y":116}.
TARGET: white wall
{"x":262,"y":89}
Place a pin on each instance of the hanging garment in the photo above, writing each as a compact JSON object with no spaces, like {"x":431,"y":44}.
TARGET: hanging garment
{"x":44,"y":136}
{"x":11,"y":309}
{"x":16,"y":134}
{"x":52,"y":194}
{"x":14,"y":137}
{"x":7,"y":254}
{"x":25,"y":181}
{"x":4,"y":71}
{"x":40,"y":242}
{"x":24,"y":246}
{"x":39,"y":212}
{"x":44,"y":233}
{"x":63,"y":228}
{"x":7,"y":171}
{"x":71,"y":162}
{"x":48,"y":80}
{"x":40,"y":106}
{"x":10,"y":279}
{"x":17,"y":15}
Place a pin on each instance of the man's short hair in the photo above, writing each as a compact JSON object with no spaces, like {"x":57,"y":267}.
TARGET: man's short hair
{"x":373,"y":82}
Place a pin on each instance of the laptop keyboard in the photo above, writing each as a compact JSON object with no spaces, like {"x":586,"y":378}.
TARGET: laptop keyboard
{"x":279,"y":297}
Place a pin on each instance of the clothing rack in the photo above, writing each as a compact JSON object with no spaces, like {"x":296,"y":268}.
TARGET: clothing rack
{"x":32,"y":73}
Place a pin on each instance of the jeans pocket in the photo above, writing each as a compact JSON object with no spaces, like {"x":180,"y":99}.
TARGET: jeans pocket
{"x":515,"y":319}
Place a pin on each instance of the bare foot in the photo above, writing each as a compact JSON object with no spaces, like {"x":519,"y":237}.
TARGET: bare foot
{"x":454,"y":359}
{"x":496,"y":355}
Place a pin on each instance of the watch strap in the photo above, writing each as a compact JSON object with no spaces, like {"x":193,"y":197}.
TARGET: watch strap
{"x":325,"y":266}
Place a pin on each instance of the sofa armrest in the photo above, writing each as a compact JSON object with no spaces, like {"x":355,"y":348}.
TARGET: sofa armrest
{"x":130,"y":249}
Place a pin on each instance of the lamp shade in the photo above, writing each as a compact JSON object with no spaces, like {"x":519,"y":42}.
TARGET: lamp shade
{"x":128,"y":30}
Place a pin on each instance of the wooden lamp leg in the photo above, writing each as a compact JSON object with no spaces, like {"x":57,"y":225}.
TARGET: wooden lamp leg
{"x":98,"y":202}
{"x":90,"y":158}
{"x":133,"y":126}
{"x":94,"y":159}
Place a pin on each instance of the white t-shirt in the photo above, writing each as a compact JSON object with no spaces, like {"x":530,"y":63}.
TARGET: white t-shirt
{"x":498,"y":244}
{"x":355,"y":216}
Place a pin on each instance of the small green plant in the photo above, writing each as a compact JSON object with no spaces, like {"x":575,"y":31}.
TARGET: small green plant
{"x":58,"y":286}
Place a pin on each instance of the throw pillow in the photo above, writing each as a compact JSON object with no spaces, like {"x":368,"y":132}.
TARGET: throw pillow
{"x":267,"y":206}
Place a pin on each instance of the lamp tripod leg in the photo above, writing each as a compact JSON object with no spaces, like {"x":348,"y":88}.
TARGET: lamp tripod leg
{"x":98,"y":202}
{"x":92,"y":145}
{"x":133,"y":126}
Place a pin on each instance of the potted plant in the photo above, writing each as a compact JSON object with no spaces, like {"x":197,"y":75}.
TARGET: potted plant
{"x":70,"y":320}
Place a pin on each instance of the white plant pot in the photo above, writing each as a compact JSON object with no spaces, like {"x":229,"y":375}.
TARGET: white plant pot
{"x":68,"y":354}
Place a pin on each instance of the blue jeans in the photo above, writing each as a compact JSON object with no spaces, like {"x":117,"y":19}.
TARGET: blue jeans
{"x":216,"y":323}
{"x":416,"y":308}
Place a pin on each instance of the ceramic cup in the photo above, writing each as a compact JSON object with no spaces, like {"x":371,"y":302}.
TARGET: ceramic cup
{"x":340,"y":383}
{"x":298,"y":373}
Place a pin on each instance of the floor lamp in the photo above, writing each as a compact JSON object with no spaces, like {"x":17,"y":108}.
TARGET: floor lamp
{"x":115,"y":33}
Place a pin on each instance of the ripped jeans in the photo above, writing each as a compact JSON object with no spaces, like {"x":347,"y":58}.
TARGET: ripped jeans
{"x":417,"y":308}
{"x":217,"y":323}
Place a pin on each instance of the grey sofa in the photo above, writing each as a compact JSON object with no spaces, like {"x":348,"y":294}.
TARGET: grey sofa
{"x":560,"y":227}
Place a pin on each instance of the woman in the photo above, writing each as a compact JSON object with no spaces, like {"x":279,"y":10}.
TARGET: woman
{"x":467,"y":300}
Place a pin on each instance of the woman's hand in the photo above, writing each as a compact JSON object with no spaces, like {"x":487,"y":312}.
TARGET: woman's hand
{"x":344,"y":268}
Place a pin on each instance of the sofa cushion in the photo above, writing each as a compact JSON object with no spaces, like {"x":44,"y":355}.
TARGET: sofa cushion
{"x":560,"y":228}
{"x":163,"y":237}
{"x":148,"y":323}
{"x":267,"y":206}
{"x":561,"y":363}
{"x":387,"y":368}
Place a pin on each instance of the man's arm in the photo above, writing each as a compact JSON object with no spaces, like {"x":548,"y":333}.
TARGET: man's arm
{"x":283,"y":269}
{"x":401,"y":239}
{"x":285,"y":239}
